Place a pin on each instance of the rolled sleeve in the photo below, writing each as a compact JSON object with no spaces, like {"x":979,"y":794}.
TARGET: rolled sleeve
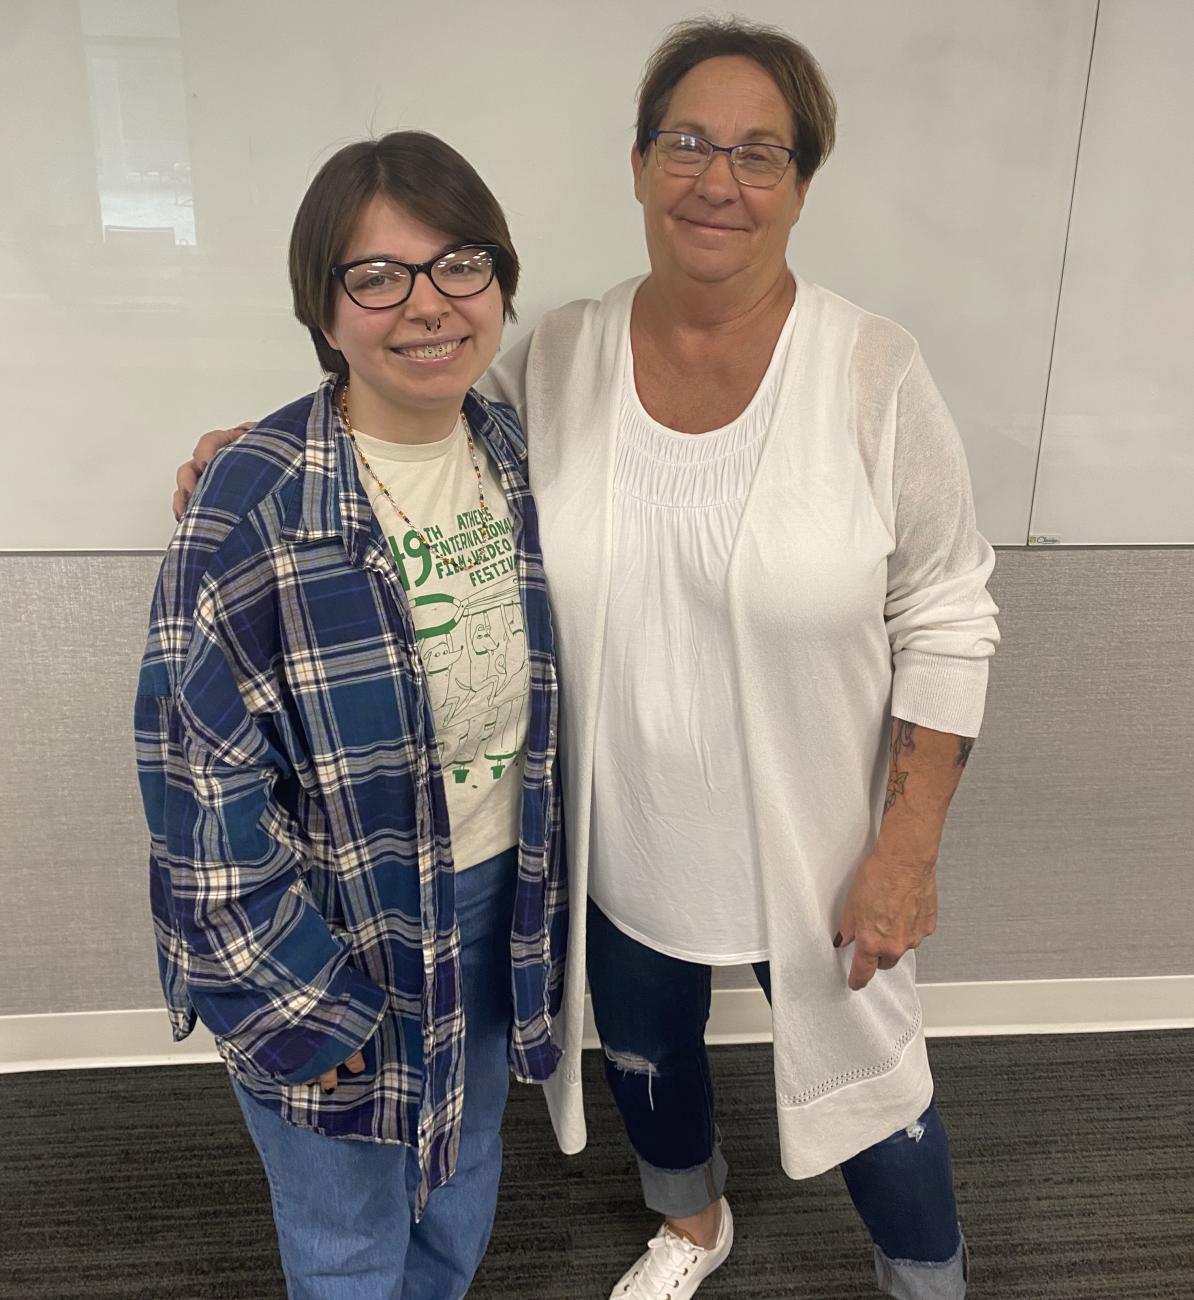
{"x":264,"y":971}
{"x":940,"y":617}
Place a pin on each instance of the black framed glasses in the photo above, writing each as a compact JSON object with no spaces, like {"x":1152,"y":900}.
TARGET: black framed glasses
{"x":379,"y":282}
{"x":680,"y":153}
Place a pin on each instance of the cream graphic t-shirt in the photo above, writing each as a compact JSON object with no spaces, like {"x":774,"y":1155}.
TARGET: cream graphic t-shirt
{"x":468,"y":626}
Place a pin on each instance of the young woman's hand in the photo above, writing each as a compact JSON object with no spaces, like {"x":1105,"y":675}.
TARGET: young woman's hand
{"x":354,"y":1065}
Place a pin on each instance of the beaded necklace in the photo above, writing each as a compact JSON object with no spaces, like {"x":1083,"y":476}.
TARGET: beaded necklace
{"x":457,"y":565}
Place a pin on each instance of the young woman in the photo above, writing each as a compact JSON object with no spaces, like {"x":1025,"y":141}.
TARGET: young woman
{"x":346,"y":730}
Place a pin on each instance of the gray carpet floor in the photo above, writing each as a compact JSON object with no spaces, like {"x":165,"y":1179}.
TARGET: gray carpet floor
{"x":1074,"y":1159}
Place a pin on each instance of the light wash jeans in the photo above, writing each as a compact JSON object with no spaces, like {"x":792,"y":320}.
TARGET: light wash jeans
{"x":651,"y":1011}
{"x":344,"y":1209}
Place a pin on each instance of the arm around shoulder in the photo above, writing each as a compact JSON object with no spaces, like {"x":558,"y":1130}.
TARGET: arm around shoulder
{"x":506,"y":380}
{"x":188,"y":474}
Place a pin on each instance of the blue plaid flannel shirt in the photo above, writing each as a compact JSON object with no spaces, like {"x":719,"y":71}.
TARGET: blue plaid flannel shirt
{"x":301,"y":873}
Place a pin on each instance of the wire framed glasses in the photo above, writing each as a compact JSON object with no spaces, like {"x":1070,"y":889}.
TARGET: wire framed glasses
{"x":754,"y":163}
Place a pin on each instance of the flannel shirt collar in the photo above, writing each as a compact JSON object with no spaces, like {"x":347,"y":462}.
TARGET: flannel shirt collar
{"x":332,"y":502}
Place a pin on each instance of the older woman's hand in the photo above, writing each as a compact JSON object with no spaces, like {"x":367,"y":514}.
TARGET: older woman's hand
{"x":890,"y":909}
{"x":187,"y":477}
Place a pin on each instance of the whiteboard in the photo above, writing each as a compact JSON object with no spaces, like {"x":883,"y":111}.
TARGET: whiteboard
{"x":155,"y":152}
{"x":1117,"y":458}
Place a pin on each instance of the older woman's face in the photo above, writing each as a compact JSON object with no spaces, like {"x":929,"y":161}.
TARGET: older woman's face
{"x":709,"y":228}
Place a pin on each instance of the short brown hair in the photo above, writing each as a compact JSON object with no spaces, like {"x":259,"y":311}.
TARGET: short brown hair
{"x":419,"y":172}
{"x":793,"y":69}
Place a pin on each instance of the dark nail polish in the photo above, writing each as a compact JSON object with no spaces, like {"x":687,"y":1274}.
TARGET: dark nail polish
{"x":837,"y":939}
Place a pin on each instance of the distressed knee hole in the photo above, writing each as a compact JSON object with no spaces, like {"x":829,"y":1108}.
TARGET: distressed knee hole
{"x":631,"y":1063}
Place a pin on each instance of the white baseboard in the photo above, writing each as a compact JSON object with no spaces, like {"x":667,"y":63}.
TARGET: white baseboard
{"x":91,"y":1039}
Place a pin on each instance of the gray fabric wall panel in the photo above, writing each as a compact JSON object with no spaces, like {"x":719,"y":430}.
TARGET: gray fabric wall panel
{"x":1069,"y":846}
{"x":1067,"y":854}
{"x":74,"y":929}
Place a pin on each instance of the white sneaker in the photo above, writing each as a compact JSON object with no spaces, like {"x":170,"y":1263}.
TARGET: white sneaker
{"x":672,"y":1267}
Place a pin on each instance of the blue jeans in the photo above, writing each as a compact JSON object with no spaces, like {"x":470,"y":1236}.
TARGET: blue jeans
{"x":658,"y":1071}
{"x":344,"y":1209}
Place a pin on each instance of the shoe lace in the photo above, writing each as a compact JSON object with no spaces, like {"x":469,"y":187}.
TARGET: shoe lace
{"x":668,"y":1260}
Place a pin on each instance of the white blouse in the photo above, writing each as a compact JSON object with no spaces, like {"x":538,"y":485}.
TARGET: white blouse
{"x":673,"y":854}
{"x":855,"y":592}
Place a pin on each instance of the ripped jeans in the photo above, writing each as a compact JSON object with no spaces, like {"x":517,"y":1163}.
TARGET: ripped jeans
{"x":651,"y":1011}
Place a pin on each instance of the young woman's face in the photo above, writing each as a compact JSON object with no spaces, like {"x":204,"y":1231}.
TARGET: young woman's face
{"x":424,"y":354}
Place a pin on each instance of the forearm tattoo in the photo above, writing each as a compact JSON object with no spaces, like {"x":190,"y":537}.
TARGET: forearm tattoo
{"x":901,"y":740}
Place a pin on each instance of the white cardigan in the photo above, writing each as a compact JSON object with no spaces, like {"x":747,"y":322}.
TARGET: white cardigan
{"x":857,"y":591}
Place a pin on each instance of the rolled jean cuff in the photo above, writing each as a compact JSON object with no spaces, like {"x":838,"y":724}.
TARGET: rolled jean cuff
{"x":677,"y":1193}
{"x":908,"y":1279}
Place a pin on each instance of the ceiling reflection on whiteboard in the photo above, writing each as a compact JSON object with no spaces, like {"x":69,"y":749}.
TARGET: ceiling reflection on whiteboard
{"x":138,"y":114}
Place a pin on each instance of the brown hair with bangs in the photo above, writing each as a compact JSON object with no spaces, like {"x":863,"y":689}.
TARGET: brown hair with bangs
{"x":788,"y":63}
{"x":420,"y":173}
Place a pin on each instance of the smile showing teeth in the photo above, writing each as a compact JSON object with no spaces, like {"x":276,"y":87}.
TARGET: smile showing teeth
{"x":430,"y":351}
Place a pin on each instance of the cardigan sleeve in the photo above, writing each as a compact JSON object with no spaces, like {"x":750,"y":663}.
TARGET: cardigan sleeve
{"x":506,"y":380}
{"x":533,"y":372}
{"x":940,"y":617}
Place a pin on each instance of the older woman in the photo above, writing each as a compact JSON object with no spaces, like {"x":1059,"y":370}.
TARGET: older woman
{"x":770,"y":601}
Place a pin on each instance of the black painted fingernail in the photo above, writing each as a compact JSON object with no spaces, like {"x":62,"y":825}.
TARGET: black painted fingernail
{"x":837,"y":939}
